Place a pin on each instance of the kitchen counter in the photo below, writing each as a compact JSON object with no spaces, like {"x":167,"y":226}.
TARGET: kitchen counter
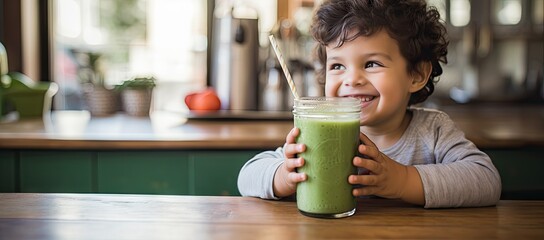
{"x":77,"y":130}
{"x":487,"y":127}
{"x":169,"y":153}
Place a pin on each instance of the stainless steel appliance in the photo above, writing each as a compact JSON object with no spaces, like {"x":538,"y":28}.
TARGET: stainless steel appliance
{"x":234,"y":59}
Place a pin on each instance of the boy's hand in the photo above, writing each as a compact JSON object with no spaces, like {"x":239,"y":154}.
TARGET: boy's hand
{"x":386,"y":178}
{"x":286,"y":178}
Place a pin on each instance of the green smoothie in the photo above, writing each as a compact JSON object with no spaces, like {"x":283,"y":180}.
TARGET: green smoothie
{"x":331,"y":145}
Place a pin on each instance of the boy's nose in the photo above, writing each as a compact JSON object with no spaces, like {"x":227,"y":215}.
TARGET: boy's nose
{"x":354,"y":78}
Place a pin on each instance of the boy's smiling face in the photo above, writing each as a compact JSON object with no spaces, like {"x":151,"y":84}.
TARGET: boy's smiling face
{"x":372,"y":69}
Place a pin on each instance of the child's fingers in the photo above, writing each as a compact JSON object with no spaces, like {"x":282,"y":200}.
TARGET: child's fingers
{"x":365,"y":191}
{"x":369,"y":149}
{"x":292,"y":163}
{"x":296,"y":177}
{"x":366,"y":141}
{"x":367,"y":164}
{"x":371,"y":152}
{"x":292,"y":149}
{"x":366,"y":180}
{"x":292,"y":135}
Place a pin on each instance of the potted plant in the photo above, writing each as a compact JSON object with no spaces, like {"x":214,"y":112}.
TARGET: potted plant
{"x":136,"y":95}
{"x":100,"y":99}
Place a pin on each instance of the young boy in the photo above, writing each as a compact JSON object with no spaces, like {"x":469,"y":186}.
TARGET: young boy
{"x":386,"y":53}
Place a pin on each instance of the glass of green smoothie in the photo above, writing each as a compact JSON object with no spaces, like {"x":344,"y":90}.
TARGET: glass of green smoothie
{"x":329,"y":127}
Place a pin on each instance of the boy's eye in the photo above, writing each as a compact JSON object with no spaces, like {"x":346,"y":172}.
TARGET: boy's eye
{"x":337,"y":67}
{"x":372,"y":64}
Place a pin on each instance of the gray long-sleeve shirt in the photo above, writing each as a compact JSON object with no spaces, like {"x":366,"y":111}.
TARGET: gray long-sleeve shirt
{"x":454,"y":172}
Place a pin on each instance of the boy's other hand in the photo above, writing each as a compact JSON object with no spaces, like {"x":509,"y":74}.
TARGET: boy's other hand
{"x":386,"y":178}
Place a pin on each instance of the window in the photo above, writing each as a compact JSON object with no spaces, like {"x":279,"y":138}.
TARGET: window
{"x":507,"y":12}
{"x":104,"y":42}
{"x":460,"y":12}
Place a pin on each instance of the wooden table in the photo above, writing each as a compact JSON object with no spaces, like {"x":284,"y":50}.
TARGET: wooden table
{"x":93,"y":216}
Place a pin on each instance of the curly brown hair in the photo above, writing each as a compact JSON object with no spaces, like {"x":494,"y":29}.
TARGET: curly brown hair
{"x":415,"y":26}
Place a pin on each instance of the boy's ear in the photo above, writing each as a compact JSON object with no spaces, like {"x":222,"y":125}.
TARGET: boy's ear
{"x":420,"y":77}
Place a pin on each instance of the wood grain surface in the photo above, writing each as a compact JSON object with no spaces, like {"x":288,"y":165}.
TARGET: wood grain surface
{"x":95,"y":216}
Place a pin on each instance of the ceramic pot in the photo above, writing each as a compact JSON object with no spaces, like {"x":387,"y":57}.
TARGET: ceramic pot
{"x":101,"y":101}
{"x":137,"y":102}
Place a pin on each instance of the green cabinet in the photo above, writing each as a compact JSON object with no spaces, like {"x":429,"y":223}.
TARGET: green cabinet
{"x":56,"y":171}
{"x":199,"y":172}
{"x":212,"y":172}
{"x":216,"y":172}
{"x":143,"y":172}
{"x":7,"y":171}
{"x":521,"y":172}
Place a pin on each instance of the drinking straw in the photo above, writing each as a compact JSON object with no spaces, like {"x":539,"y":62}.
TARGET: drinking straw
{"x":283,"y":66}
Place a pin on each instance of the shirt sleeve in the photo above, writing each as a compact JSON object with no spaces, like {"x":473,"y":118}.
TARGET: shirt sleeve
{"x":463,"y":176}
{"x":257,"y":175}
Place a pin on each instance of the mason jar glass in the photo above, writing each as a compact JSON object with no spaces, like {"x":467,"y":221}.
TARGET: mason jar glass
{"x":329,"y":127}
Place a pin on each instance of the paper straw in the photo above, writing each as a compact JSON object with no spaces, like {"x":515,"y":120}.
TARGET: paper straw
{"x":283,"y":66}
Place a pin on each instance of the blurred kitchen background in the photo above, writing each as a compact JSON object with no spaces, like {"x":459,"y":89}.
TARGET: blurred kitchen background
{"x":496,"y":52}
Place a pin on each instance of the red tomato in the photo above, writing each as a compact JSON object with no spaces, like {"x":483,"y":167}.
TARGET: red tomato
{"x":206,"y":100}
